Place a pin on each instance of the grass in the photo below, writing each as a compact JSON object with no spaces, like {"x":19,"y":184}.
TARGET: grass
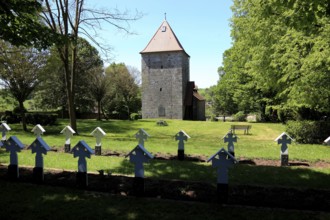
{"x":44,"y":202}
{"x":206,"y":139}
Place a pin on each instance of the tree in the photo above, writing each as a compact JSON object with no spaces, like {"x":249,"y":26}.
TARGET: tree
{"x":99,"y":89}
{"x":70,"y":18}
{"x":19,"y":72}
{"x":20,"y":24}
{"x":52,"y":93}
{"x":124,"y":95}
{"x":279,"y":56}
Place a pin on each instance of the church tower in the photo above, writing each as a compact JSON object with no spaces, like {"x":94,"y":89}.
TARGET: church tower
{"x":165,"y":76}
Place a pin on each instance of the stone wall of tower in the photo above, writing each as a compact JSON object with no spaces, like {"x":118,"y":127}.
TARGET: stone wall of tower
{"x":164,"y":80}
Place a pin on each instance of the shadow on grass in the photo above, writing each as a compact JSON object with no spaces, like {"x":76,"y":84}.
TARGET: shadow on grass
{"x":46,"y":202}
{"x":280,"y":176}
{"x":4,"y":155}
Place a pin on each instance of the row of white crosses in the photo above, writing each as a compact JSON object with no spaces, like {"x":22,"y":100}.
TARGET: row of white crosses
{"x":222,"y":160}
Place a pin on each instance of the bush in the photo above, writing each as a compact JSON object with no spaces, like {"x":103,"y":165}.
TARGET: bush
{"x":17,"y":111}
{"x":42,"y":119}
{"x":135,"y":116}
{"x":213,"y":118}
{"x":308,"y":132}
{"x":162,"y":123}
{"x":10,"y":118}
{"x":240,"y":116}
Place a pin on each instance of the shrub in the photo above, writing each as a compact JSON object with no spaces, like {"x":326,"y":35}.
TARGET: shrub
{"x":213,"y":118}
{"x":10,"y":118}
{"x":240,"y":116}
{"x":43,"y":119}
{"x":135,"y":116}
{"x":308,"y":132}
{"x":162,"y":123}
{"x":17,"y":111}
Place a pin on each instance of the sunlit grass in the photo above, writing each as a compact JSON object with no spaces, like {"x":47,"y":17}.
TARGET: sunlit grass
{"x":206,"y":138}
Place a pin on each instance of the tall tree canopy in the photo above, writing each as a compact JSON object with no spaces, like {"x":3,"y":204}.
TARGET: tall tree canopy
{"x":20,"y":69}
{"x":280,"y":57}
{"x":52,"y":92}
{"x":20,"y":24}
{"x":123,"y":93}
{"x":71,"y":19}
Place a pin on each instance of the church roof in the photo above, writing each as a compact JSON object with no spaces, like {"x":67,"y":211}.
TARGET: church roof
{"x":163,"y":40}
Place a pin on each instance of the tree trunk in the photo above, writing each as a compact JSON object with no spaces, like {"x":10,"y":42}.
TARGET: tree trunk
{"x":72,"y":113}
{"x":99,"y":110}
{"x":21,"y":108}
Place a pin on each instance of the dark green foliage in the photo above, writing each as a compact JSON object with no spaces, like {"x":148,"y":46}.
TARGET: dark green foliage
{"x":162,"y":123}
{"x":10,"y":118}
{"x":41,"y":118}
{"x":20,"y":24}
{"x":135,"y":116}
{"x":240,"y":116}
{"x":308,"y":132}
{"x":279,"y":59}
{"x":17,"y":110}
{"x":123,"y":96}
{"x":31,"y":118}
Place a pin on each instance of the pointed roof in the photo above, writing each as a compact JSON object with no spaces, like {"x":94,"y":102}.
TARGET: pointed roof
{"x":163,"y":40}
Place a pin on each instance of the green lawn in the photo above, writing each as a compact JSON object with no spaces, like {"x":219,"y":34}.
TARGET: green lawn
{"x":45,"y":202}
{"x":206,"y":139}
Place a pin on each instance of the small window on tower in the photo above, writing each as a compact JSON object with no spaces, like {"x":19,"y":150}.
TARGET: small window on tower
{"x":163,"y":28}
{"x":160,"y":89}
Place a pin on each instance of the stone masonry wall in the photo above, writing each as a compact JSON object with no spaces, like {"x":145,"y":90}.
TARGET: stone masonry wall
{"x":164,"y":79}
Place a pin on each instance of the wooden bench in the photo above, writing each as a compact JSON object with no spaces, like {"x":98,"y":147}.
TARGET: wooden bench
{"x":246,"y":128}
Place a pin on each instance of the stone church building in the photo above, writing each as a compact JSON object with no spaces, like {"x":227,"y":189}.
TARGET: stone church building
{"x":166,"y":89}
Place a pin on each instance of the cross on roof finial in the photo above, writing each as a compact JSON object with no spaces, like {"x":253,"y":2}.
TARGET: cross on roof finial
{"x":165,"y":16}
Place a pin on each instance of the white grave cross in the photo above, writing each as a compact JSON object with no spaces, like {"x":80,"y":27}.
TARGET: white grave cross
{"x":181,"y":136}
{"x":38,"y":130}
{"x":230,"y":138}
{"x":98,"y":133}
{"x":13,"y":145}
{"x":222,"y":160}
{"x":138,"y":156}
{"x":142,"y":135}
{"x":4,"y":128}
{"x":68,"y":133}
{"x":284,"y":139}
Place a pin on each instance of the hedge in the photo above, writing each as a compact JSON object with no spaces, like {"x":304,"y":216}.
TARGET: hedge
{"x":308,"y":132}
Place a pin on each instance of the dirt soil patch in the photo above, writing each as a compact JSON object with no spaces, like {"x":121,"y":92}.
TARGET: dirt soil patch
{"x":261,"y":196}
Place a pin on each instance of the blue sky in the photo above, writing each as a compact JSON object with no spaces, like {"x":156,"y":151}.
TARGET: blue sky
{"x":202,"y":28}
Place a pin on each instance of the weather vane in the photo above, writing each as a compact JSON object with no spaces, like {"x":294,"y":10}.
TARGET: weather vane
{"x":165,"y":16}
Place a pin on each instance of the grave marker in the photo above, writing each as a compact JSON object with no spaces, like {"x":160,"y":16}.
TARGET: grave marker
{"x":181,"y":136}
{"x":138,"y":156}
{"x":82,"y":150}
{"x":222,"y":160}
{"x":38,"y":130}
{"x":39,"y":147}
{"x":68,"y":133}
{"x":98,"y":133}
{"x":142,"y":135}
{"x":13,"y":145}
{"x":230,"y":138}
{"x":4,"y":129}
{"x":284,"y":139}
